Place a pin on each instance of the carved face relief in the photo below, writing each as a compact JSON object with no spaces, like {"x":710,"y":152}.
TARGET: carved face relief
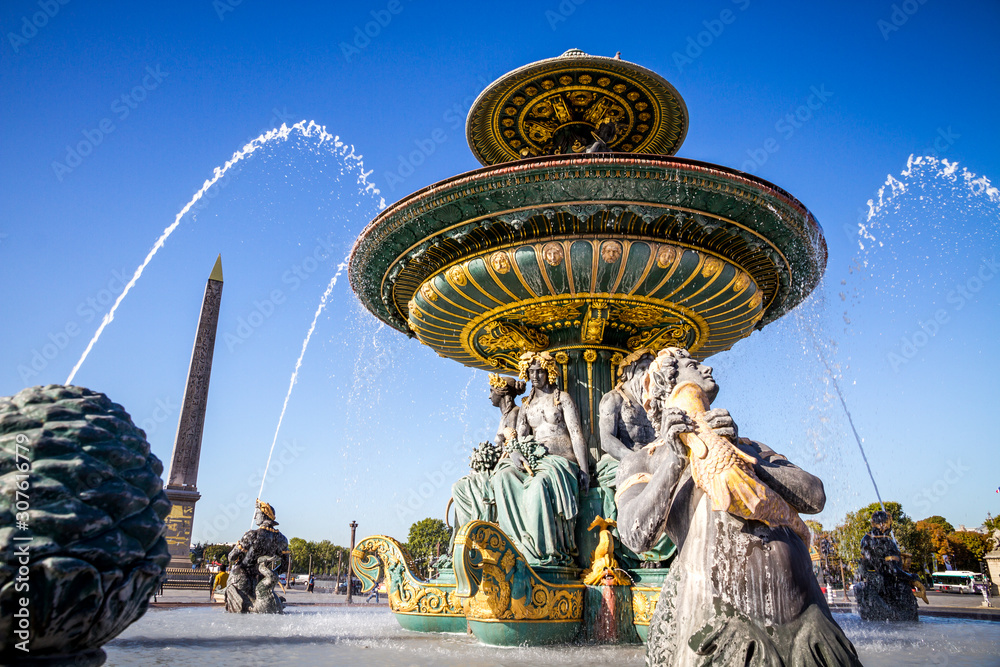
{"x":689,"y":370}
{"x":500,"y":262}
{"x":665,"y":256}
{"x":495,"y":397}
{"x":538,"y":376}
{"x":456,"y":275}
{"x":552,"y":253}
{"x":611,"y":251}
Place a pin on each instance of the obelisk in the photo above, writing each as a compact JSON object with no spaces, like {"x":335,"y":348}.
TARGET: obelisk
{"x":182,"y":482}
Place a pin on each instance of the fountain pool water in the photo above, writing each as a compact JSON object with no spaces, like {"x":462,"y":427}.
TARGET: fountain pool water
{"x":338,"y":635}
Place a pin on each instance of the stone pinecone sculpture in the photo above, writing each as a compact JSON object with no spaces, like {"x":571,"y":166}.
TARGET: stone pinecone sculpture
{"x":96,"y":514}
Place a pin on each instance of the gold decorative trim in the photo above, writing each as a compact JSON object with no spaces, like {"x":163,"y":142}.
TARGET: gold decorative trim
{"x":667,"y":208}
{"x":497,"y":584}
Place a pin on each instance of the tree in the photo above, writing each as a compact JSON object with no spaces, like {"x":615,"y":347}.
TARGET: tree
{"x":217,"y":553}
{"x":969,"y":548}
{"x":424,"y":541}
{"x":856,"y":524}
{"x":933,"y":545}
{"x":992,"y":525}
{"x":324,"y":556}
{"x":941,"y":521}
{"x":299,"y":550}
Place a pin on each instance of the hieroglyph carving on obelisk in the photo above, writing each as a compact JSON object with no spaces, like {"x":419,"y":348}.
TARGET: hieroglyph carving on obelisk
{"x":183,"y":478}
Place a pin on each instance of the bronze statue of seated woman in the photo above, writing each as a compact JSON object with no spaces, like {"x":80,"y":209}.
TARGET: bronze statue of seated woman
{"x":537,"y":506}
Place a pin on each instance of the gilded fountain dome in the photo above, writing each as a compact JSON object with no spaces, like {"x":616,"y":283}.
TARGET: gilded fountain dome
{"x":559,"y":105}
{"x":584,"y":236}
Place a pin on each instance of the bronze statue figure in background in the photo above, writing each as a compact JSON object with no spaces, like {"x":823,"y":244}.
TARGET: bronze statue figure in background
{"x":884,"y":593}
{"x":253,"y":562}
{"x":741,"y":590}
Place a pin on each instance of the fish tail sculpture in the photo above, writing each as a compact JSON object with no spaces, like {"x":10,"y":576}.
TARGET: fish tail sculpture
{"x":603,"y":563}
{"x":725,"y":473}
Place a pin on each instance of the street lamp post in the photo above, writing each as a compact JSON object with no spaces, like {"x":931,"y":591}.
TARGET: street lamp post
{"x":350,"y":570}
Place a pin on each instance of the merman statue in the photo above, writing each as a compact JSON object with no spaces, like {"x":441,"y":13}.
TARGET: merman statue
{"x":537,"y":487}
{"x":741,"y":590}
{"x":253,"y":562}
{"x":625,"y":427}
{"x":884,"y":593}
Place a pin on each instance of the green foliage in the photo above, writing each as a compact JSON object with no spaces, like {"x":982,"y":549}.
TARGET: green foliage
{"x":427,"y":538}
{"x":856,"y":524}
{"x":992,"y":525}
{"x":217,"y":553}
{"x":325,"y":556}
{"x":941,"y":521}
{"x":969,"y":548}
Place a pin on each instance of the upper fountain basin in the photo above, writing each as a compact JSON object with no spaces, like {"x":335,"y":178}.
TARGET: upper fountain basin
{"x":605,"y":250}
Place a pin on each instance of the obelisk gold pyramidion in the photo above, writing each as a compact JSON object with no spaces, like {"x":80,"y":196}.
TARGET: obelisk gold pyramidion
{"x":583,"y":236}
{"x":182,"y":482}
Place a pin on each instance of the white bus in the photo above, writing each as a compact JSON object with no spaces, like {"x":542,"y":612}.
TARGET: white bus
{"x":957,"y":581}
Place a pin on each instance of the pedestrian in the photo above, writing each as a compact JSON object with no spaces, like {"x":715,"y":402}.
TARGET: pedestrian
{"x":311,"y":584}
{"x":373,"y":594}
{"x":220,"y":581}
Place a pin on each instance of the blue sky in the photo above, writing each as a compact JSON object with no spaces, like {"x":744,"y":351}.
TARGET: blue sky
{"x":151,"y":99}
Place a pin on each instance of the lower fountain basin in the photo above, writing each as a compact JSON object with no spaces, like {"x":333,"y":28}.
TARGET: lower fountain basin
{"x":339,"y":635}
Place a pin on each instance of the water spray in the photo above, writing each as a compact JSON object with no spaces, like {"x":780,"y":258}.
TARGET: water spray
{"x":298,"y":364}
{"x":306,"y":129}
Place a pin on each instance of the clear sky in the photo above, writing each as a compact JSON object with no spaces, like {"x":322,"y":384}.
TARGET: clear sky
{"x":115,"y":114}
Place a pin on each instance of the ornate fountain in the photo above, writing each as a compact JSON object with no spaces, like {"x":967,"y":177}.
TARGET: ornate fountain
{"x":584,"y":238}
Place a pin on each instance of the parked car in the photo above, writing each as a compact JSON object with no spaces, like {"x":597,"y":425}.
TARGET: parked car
{"x":342,"y":587}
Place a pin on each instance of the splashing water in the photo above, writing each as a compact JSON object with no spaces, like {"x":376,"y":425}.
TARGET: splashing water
{"x":306,"y":129}
{"x":298,"y":365}
{"x":911,"y":261}
{"x":847,"y":413}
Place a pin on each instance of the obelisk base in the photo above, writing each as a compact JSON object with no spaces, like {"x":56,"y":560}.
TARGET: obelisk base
{"x":179,"y":523}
